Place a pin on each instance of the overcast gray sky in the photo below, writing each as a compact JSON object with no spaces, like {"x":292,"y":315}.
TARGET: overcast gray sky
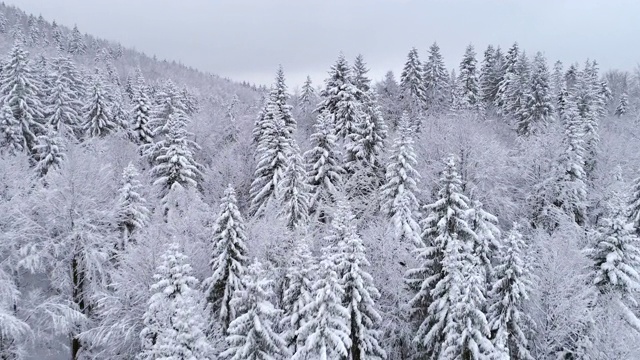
{"x":247,"y":39}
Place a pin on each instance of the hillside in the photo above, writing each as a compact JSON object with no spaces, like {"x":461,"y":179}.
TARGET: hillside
{"x":150,"y":210}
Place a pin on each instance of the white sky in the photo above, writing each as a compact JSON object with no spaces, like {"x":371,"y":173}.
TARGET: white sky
{"x":247,"y":39}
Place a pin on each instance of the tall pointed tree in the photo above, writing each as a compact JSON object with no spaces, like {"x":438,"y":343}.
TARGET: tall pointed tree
{"x":132,"y":213}
{"x":99,"y":120}
{"x":294,"y":192}
{"x":488,"y":75}
{"x":436,"y":79}
{"x":141,"y":111}
{"x":228,"y":259}
{"x":413,"y":94}
{"x":468,"y":81}
{"x":537,"y":111}
{"x":509,"y":80}
{"x":11,"y":140}
{"x":50,"y":152}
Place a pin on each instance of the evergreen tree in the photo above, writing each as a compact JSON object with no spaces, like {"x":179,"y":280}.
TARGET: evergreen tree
{"x":470,"y":95}
{"x":633,"y":206}
{"x":444,"y":232}
{"x":173,"y":322}
{"x":141,"y":112}
{"x":538,"y":104}
{"x":399,"y":191}
{"x":251,"y":334}
{"x":166,"y":102}
{"x":360,"y":295}
{"x":436,"y":80}
{"x":616,"y":260}
{"x":509,"y":80}
{"x":588,"y":103}
{"x":132,"y":213}
{"x":623,"y":105}
{"x":485,"y":226}
{"x":307,"y":96}
{"x":389,"y":99}
{"x":64,"y":104}
{"x":56,"y":35}
{"x":174,"y":163}
{"x":557,"y":79}
{"x":20,"y":91}
{"x":275,"y":107}
{"x":324,"y":169}
{"x":50,"y":152}
{"x":508,"y":295}
{"x":487,"y":74}
{"x":99,"y":120}
{"x":76,"y":45}
{"x":413,"y":94}
{"x":294,"y":192}
{"x":359,"y":73}
{"x":228,"y":259}
{"x":520,"y":92}
{"x":11,"y":140}
{"x":326,"y":334}
{"x":298,"y":293}
{"x":272,"y":156}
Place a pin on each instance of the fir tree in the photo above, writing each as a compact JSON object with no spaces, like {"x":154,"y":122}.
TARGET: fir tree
{"x":20,"y":90}
{"x":359,"y":73}
{"x":56,"y":35}
{"x":399,"y":191}
{"x":444,"y":231}
{"x":557,"y":79}
{"x":485,"y":226}
{"x":166,"y":102}
{"x":173,"y":322}
{"x":11,"y":140}
{"x":276,"y":107}
{"x":509,"y":80}
{"x":389,"y":99}
{"x":141,"y":112}
{"x":99,"y":120}
{"x":294,"y":192}
{"x":64,"y":100}
{"x":297,"y":294}
{"x":132,"y":213}
{"x":324,"y":169}
{"x":470,"y":95}
{"x":413,"y":94}
{"x":588,"y":104}
{"x":50,"y":152}
{"x":488,"y":74}
{"x":76,"y":45}
{"x":623,"y":105}
{"x":251,"y":335}
{"x":436,"y":80}
{"x":228,"y":259}
{"x":538,"y":105}
{"x":307,"y":96}
{"x":508,"y":295}
{"x":326,"y":334}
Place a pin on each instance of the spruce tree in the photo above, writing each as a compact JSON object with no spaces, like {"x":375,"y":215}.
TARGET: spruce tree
{"x":11,"y":140}
{"x":64,"y":104}
{"x":508,"y":295}
{"x":297,"y":294}
{"x":50,"y":152}
{"x":488,"y":74}
{"x":99,"y":120}
{"x":294,"y":192}
{"x":444,"y":231}
{"x":324,"y":168}
{"x":275,"y":107}
{"x":251,"y":335}
{"x":537,"y":111}
{"x":588,"y":103}
{"x":401,"y":186}
{"x":20,"y":91}
{"x":509,"y":80}
{"x":557,"y":79}
{"x":359,"y":74}
{"x":436,"y":79}
{"x":623,"y":105}
{"x":132,"y":213}
{"x":228,"y":259}
{"x":326,"y":334}
{"x":141,"y":112}
{"x":173,"y":323}
{"x":487,"y":244}
{"x":76,"y":45}
{"x":470,"y":95}
{"x":413,"y":96}
{"x":307,"y":96}
{"x":389,"y":99}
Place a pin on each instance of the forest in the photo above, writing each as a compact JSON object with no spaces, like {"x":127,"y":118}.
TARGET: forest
{"x":149,"y":210}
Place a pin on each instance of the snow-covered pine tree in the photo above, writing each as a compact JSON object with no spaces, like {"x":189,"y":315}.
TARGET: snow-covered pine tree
{"x":141,"y":112}
{"x":326,"y":334}
{"x":557,"y":79}
{"x":99,"y":120}
{"x":389,"y":99}
{"x":132,"y":213}
{"x":359,"y":74}
{"x":275,"y":107}
{"x":520,"y":91}
{"x":76,"y":45}
{"x":324,"y":164}
{"x":11,"y":139}
{"x":470,"y":96}
{"x":307,"y":97}
{"x":57,"y":37}
{"x":537,"y":111}
{"x":399,"y":191}
{"x":623,"y":105}
{"x":272,"y":156}
{"x":64,"y":105}
{"x":487,"y":75}
{"x":509,"y":292}
{"x":228,"y":259}
{"x":616,"y":260}
{"x":20,"y":91}
{"x":485,"y":226}
{"x":50,"y":152}
{"x":294,"y":192}
{"x":174,"y":163}
{"x":359,"y":298}
{"x":588,"y":103}
{"x":297,"y":294}
{"x":509,"y":80}
{"x":251,"y":335}
{"x":436,"y":81}
{"x":446,"y":223}
{"x":413,"y":94}
{"x":174,"y":323}
{"x":166,"y":102}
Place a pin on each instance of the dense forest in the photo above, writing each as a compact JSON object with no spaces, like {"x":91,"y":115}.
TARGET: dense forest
{"x":149,"y":210}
